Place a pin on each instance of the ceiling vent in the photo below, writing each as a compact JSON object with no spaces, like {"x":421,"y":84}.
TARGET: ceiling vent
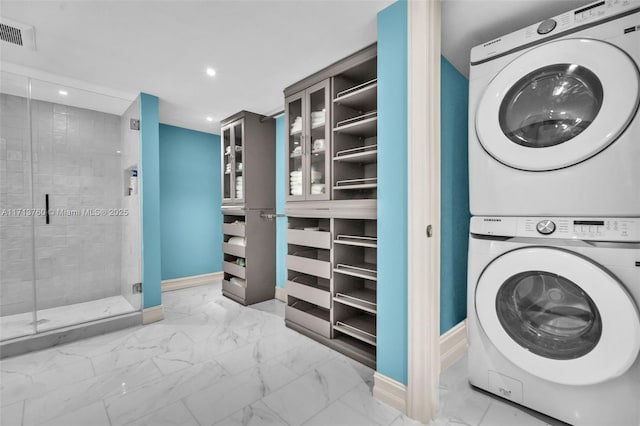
{"x":17,"y":33}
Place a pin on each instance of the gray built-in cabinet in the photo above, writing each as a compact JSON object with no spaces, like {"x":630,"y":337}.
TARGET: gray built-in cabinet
{"x":248,"y":198}
{"x":331,"y":184}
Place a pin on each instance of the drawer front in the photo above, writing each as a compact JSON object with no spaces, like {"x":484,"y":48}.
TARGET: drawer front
{"x":318,"y":239}
{"x":233,"y":229}
{"x":308,"y":321}
{"x":233,"y":249}
{"x":310,"y":294}
{"x":234,"y":289}
{"x":318,"y":268}
{"x":233,"y":269}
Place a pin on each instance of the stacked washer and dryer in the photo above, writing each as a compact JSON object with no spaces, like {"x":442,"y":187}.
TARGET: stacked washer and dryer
{"x":554,"y":249}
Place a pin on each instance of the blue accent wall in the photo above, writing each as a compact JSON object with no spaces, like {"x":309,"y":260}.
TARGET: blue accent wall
{"x":392,"y":192}
{"x":150,"y":200}
{"x":281,"y":222}
{"x":190,"y":201}
{"x":454,"y":196}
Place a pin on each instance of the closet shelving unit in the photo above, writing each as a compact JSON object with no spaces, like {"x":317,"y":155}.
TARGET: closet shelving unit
{"x":332,"y":242}
{"x":248,"y":193}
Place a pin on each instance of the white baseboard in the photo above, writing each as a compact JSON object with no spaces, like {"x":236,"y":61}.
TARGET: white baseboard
{"x":390,"y":392}
{"x":281,"y":294}
{"x":192,"y":281}
{"x":153,"y":314}
{"x":453,"y":345}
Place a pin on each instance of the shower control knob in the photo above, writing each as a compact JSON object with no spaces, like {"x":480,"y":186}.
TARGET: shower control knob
{"x":546,"y":227}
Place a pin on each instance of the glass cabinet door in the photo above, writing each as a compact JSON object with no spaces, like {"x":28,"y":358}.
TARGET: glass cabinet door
{"x":227,"y":160}
{"x":238,"y":166}
{"x":318,"y":137}
{"x":295,"y":148}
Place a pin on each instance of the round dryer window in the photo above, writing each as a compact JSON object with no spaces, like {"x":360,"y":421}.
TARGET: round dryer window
{"x":558,"y":104}
{"x":558,"y":316}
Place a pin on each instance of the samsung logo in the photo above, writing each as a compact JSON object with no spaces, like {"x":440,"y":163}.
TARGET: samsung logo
{"x":492,"y":42}
{"x":492,"y":220}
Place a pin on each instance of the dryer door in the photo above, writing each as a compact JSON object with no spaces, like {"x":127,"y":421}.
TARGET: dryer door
{"x":558,"y":104}
{"x":558,"y":316}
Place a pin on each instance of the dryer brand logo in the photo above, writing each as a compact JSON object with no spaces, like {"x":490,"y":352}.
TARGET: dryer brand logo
{"x":486,"y":219}
{"x":492,"y":42}
{"x":505,"y":392}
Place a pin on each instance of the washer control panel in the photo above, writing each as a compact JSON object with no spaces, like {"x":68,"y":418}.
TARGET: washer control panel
{"x":590,"y":229}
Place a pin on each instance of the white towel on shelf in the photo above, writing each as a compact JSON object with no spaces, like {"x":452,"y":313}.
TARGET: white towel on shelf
{"x":237,"y":241}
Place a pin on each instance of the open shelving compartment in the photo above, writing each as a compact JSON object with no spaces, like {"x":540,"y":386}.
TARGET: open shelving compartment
{"x":355,"y":121}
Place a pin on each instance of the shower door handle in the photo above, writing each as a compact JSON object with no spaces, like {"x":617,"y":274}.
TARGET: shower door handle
{"x":46,"y":206}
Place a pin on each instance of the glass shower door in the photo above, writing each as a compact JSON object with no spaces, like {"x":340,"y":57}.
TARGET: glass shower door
{"x":17,"y":291}
{"x":86,"y":156}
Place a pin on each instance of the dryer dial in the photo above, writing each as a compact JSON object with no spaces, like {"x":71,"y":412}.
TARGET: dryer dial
{"x":546,"y":227}
{"x":546,"y":27}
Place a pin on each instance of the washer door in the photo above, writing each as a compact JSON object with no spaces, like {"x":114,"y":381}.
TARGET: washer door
{"x":558,"y":104}
{"x":558,"y":316}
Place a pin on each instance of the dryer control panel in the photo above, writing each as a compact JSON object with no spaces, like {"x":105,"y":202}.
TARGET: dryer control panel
{"x":588,"y":229}
{"x":539,"y":32}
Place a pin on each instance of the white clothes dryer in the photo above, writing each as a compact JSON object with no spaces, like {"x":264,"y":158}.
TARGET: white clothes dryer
{"x":553,"y":315}
{"x":553,"y":109}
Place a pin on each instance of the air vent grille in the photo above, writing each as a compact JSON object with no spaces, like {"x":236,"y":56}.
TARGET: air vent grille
{"x":10,"y":34}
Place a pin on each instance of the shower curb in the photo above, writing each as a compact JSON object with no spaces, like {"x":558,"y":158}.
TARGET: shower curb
{"x":53,"y":338}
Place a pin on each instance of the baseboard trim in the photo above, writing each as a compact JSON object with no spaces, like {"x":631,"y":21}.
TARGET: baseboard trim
{"x":153,"y":314}
{"x":453,"y":345}
{"x":390,"y":392}
{"x":281,"y":294}
{"x":192,"y":281}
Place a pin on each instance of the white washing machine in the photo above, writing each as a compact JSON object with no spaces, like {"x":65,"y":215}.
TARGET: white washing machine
{"x":553,"y":315}
{"x":553,"y":108}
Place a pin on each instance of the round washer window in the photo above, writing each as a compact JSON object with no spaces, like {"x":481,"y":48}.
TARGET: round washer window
{"x":550,"y":105}
{"x":548,"y":315}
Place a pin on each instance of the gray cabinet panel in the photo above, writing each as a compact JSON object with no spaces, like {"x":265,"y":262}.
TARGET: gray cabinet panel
{"x":233,"y":269}
{"x":233,"y":249}
{"x":310,"y":317}
{"x":234,"y":289}
{"x":316,"y":296}
{"x":318,"y":239}
{"x":318,"y":268}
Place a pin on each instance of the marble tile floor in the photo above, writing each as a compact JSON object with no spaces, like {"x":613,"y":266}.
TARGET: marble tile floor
{"x":212,"y":361}
{"x":18,"y":325}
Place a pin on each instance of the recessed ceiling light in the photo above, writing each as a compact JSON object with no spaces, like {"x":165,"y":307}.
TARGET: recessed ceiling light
{"x":63,"y":92}
{"x":211,"y":72}
{"x":209,"y":118}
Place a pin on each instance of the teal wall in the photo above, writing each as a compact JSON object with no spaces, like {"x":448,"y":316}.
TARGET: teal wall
{"x":454,"y":196}
{"x":150,"y":200}
{"x":392,"y":192}
{"x":281,"y":224}
{"x":190,"y":201}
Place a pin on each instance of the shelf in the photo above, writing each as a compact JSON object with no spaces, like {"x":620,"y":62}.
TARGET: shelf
{"x":364,"y":299}
{"x":367,"y":271}
{"x":362,"y":96}
{"x":362,"y":154}
{"x":296,"y":133}
{"x":362,"y":183}
{"x":365,"y":125}
{"x":355,"y":240}
{"x":361,"y":327}
{"x":295,"y":155}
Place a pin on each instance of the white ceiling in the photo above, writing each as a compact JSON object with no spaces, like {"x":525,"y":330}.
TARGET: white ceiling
{"x":257,"y":47}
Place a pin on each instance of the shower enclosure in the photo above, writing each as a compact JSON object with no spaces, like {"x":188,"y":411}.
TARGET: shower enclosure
{"x":69,"y":208}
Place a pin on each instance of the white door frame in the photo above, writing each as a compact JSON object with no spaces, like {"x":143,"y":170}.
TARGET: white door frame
{"x":423,"y":193}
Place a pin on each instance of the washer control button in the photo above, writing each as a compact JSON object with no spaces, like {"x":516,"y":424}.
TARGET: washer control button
{"x":546,"y":227}
{"x":546,"y":27}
